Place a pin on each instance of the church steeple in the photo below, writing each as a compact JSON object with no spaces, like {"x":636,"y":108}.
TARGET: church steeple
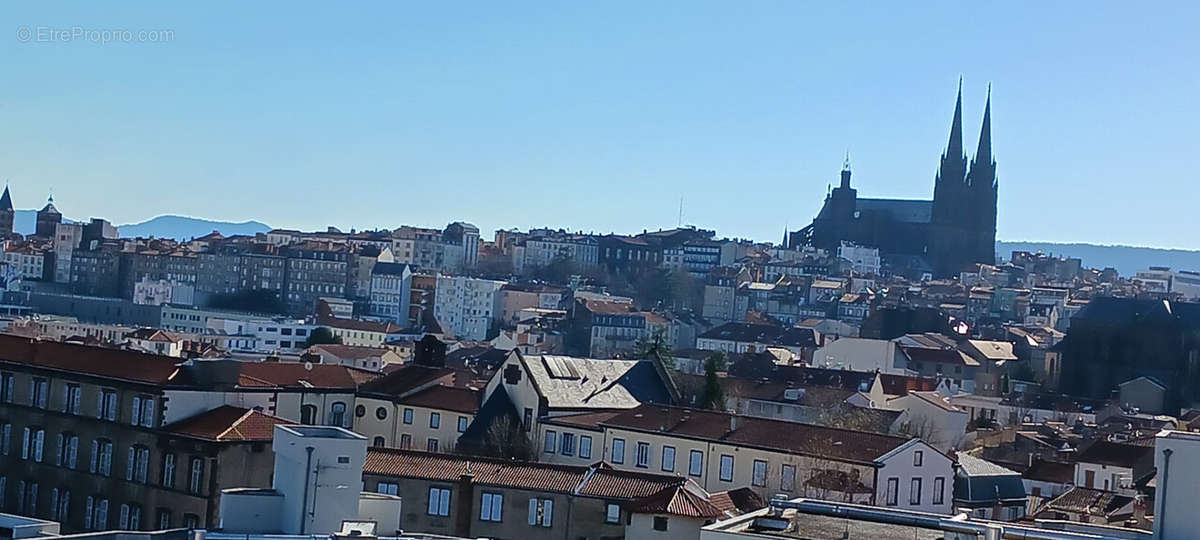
{"x":955,"y":147}
{"x":6,"y":200}
{"x":846,"y":172}
{"x":984,"y":153}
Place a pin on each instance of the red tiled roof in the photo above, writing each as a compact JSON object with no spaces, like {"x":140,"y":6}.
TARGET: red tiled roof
{"x":679,"y":500}
{"x":405,"y":379}
{"x":804,"y":439}
{"x":449,"y":398}
{"x":90,"y":360}
{"x":228,"y":424}
{"x":737,"y":501}
{"x":1114,"y":454}
{"x":288,"y":374}
{"x":349,"y":352}
{"x":601,"y":483}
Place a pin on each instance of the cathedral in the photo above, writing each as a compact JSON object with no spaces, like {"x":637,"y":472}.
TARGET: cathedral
{"x":946,"y":235}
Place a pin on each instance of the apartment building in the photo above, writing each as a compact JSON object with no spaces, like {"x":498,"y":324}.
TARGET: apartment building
{"x":466,"y":305}
{"x":723,"y":451}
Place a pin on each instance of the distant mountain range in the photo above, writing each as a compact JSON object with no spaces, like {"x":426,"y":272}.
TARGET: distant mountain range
{"x":1128,"y":260}
{"x":177,"y":227}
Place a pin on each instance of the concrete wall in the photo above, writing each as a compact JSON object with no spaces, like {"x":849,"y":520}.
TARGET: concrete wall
{"x":641,"y":527}
{"x":901,"y":464}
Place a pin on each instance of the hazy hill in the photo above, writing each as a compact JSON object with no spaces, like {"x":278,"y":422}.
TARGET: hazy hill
{"x":178,"y":227}
{"x":1128,"y":260}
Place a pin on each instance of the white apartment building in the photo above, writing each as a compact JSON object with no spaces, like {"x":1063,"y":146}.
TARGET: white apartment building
{"x":29,"y":263}
{"x":466,"y":305}
{"x":864,"y":260}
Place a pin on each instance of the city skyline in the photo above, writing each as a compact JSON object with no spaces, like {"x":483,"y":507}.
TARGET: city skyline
{"x":586,"y":118}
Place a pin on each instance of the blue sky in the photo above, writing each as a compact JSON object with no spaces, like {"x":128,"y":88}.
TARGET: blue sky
{"x":600,"y":116}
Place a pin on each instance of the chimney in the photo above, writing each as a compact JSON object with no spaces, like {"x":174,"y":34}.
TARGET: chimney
{"x":463,"y":512}
{"x":735,"y":421}
{"x":430,"y":352}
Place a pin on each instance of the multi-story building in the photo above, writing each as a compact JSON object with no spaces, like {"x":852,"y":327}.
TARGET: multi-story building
{"x":701,"y":256}
{"x":722,"y":451}
{"x":95,"y":271}
{"x":461,"y":246}
{"x":231,"y":271}
{"x":156,"y":264}
{"x":391,"y":292}
{"x":88,"y":439}
{"x":28,"y":261}
{"x":67,"y":237}
{"x":419,"y":247}
{"x":515,"y":297}
{"x":546,"y":247}
{"x":466,"y":306}
{"x":313,"y":270}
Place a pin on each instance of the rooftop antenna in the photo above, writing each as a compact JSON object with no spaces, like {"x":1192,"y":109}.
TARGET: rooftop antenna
{"x":680,"y":211}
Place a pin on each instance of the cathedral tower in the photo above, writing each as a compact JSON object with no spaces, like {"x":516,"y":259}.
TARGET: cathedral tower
{"x":6,"y":213}
{"x":981,"y":180}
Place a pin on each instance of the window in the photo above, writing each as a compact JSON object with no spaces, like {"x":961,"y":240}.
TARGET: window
{"x":131,"y":517}
{"x":142,"y":411}
{"x":101,"y":457}
{"x":168,"y":471}
{"x":39,"y":392}
{"x":408,"y":416}
{"x":541,"y":512}
{"x":491,"y":507}
{"x":439,"y":502}
{"x":568,"y":444}
{"x":660,"y":523}
{"x":668,"y":458}
{"x":695,"y":463}
{"x":431,"y":445}
{"x":6,"y":387}
{"x":106,"y":407}
{"x":918,"y":458}
{"x":618,"y":451}
{"x":5,"y":438}
{"x":71,"y":399}
{"x":164,"y":519}
{"x":726,"y":468}
{"x":337,"y":414}
{"x":527,"y":419}
{"x":759,"y":476}
{"x":196,"y":475}
{"x":32,"y":443}
{"x":137,"y":464}
{"x":387,"y":488}
{"x":191,"y":521}
{"x":914,"y":493}
{"x":642,"y":457}
{"x":60,"y":504}
{"x":939,"y":486}
{"x":787,"y":477}
{"x":308,"y":414}
{"x":378,"y":442}
{"x":405,"y":441}
{"x":550,"y":445}
{"x":585,"y":446}
{"x":462,"y":424}
{"x":67,"y":453}
{"x":435,"y":420}
{"x":893,"y":490}
{"x":27,"y":496}
{"x":381,"y":413}
{"x":612,"y":513}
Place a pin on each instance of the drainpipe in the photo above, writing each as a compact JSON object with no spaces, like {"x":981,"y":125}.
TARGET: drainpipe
{"x":304,"y":500}
{"x":1161,"y":519}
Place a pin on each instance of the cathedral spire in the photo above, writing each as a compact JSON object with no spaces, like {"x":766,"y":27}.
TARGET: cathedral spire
{"x":6,"y":200}
{"x":955,"y":148}
{"x":984,"y":153}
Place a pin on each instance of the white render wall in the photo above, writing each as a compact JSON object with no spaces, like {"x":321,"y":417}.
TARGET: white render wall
{"x":1178,"y":485}
{"x":899,"y":464}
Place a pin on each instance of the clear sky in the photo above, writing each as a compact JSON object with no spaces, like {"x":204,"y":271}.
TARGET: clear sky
{"x":600,"y":115}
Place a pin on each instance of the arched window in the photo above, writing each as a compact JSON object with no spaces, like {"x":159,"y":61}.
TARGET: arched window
{"x":377,"y":442}
{"x":337,"y":414}
{"x":308,"y":414}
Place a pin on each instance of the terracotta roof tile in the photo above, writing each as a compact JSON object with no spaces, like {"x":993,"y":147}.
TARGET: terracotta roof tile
{"x":90,"y":360}
{"x":592,"y":482}
{"x":228,"y":424}
{"x":450,"y":398}
{"x":684,"y":500}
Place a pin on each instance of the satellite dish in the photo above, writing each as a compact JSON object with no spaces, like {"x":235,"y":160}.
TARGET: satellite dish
{"x":308,"y":366}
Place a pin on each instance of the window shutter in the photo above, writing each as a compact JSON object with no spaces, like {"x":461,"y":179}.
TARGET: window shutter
{"x":95,"y":460}
{"x":100,"y":404}
{"x":444,"y":508}
{"x":137,"y":410}
{"x":533,"y":517}
{"x":547,"y":512}
{"x":148,"y":413}
{"x":129,"y":464}
{"x":433,"y":501}
{"x":25,"y":444}
{"x":60,"y":449}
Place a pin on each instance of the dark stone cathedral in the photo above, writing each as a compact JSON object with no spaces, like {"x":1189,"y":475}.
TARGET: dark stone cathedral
{"x":949,"y":233}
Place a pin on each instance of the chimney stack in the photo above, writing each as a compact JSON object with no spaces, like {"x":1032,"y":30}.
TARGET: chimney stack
{"x":463,"y":513}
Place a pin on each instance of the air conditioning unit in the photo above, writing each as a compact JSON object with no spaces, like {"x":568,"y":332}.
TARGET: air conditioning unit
{"x":793,"y":394}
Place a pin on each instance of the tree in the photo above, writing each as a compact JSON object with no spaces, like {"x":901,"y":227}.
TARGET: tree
{"x":506,"y":439}
{"x":655,"y":346}
{"x":322,"y":336}
{"x":714,"y":395}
